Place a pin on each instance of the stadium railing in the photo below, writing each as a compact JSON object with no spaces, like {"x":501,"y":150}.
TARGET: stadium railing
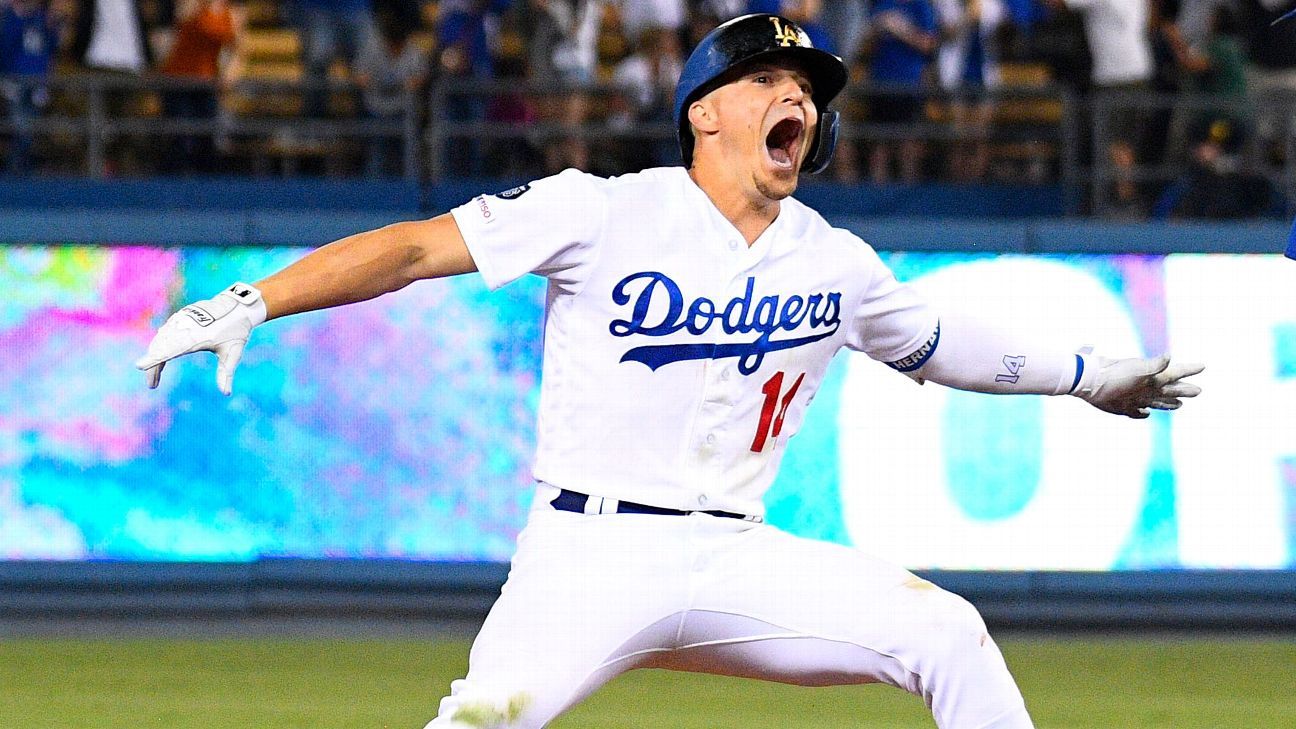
{"x":1259,"y":137}
{"x":1029,"y":134}
{"x":89,"y":117}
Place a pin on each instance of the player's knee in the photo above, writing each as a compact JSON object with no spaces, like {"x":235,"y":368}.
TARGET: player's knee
{"x":957,"y":625}
{"x":967,"y":616}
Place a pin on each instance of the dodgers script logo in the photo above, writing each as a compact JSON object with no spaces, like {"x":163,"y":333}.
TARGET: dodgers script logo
{"x":741,"y":315}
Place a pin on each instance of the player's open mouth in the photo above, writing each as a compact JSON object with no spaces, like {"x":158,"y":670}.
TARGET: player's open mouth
{"x":784,"y":142}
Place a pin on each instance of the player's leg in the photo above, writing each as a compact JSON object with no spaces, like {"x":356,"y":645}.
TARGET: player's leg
{"x":781,"y":608}
{"x":587,"y":598}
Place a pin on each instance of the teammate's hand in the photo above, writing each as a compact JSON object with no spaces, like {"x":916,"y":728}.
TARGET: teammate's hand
{"x":220,"y":324}
{"x":1134,"y":387}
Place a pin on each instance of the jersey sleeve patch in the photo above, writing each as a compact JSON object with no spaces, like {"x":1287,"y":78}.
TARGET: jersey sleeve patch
{"x":513,"y":192}
{"x":918,"y":357}
{"x":547,"y":227}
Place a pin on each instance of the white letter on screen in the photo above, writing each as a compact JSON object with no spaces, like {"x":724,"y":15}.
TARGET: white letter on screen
{"x":916,"y":489}
{"x":1236,"y":314}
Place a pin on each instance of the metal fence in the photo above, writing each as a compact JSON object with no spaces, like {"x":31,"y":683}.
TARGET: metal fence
{"x":1257,"y":139}
{"x":98,"y":126}
{"x":102,"y":125}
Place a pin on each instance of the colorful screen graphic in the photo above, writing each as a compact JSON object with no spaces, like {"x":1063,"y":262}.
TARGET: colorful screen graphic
{"x":403,"y":427}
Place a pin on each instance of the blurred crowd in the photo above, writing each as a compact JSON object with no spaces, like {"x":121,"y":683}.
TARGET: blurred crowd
{"x":930,"y":103}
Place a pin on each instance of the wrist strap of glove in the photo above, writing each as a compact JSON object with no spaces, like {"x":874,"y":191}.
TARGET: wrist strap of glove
{"x":1079,"y":375}
{"x":1086,"y":375}
{"x":250,"y":297}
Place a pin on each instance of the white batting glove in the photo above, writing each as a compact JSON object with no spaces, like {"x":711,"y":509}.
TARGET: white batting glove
{"x":220,"y":324}
{"x":1134,"y":387}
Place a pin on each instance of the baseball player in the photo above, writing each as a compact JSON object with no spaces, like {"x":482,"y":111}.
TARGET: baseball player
{"x":691,"y":314}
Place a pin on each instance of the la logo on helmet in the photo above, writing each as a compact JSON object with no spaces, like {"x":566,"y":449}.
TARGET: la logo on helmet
{"x":788,"y":35}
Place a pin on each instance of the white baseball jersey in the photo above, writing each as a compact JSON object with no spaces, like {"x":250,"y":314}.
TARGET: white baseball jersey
{"x":678,"y":360}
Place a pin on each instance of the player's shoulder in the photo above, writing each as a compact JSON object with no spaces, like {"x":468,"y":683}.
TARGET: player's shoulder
{"x":660,"y":178}
{"x":808,"y":224}
{"x":655,"y":188}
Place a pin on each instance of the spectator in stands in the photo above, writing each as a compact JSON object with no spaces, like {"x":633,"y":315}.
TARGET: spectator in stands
{"x":1117,"y":32}
{"x":205,"y":31}
{"x":967,"y":68}
{"x":640,"y":15}
{"x":330,"y":29}
{"x":28,"y":43}
{"x":1213,"y":64}
{"x":706,"y":17}
{"x":1023,"y":14}
{"x":409,"y":13}
{"x":564,"y":49}
{"x":110,"y":37}
{"x":111,"y":42}
{"x":1216,"y":186}
{"x":648,"y":77}
{"x":1055,"y":37}
{"x":718,"y":10}
{"x":550,"y":26}
{"x":390,"y":75}
{"x":1124,"y":198}
{"x":1167,"y":80}
{"x":846,"y":22}
{"x":513,"y":156}
{"x":465,"y":32}
{"x":1271,"y":73}
{"x":903,"y":35}
{"x":1194,"y":19}
{"x":805,"y":13}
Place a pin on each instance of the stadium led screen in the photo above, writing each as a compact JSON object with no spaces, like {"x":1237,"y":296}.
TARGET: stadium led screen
{"x":402,"y":427}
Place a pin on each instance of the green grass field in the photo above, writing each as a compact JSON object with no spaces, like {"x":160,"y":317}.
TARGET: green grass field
{"x":320,"y":683}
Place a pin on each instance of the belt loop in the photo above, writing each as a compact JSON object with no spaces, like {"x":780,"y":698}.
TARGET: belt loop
{"x":545,"y":495}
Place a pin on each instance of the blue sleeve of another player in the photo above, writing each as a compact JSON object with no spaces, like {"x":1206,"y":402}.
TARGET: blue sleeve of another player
{"x":1291,"y":242}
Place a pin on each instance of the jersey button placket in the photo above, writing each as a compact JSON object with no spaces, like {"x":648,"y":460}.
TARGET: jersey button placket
{"x":716,"y":397}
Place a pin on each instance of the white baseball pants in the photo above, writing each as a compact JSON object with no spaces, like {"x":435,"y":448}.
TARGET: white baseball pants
{"x":591,"y":596}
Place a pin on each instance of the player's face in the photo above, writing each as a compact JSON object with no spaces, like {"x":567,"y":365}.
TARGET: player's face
{"x":767,"y":119}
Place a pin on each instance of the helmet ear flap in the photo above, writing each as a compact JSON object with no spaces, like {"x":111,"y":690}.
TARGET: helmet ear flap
{"x":824,"y":143}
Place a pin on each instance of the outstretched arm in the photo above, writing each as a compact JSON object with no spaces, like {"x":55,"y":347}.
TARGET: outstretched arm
{"x":366,"y":265}
{"x":969,"y":355}
{"x":355,"y":268}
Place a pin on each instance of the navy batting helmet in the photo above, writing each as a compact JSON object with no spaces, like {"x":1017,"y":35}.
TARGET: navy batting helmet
{"x":751,"y":38}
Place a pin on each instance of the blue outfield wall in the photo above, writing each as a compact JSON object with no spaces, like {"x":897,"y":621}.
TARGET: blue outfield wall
{"x":1213,"y":600}
{"x":1010,"y":219}
{"x":179,"y":226}
{"x":313,"y":212}
{"x":1000,"y":201}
